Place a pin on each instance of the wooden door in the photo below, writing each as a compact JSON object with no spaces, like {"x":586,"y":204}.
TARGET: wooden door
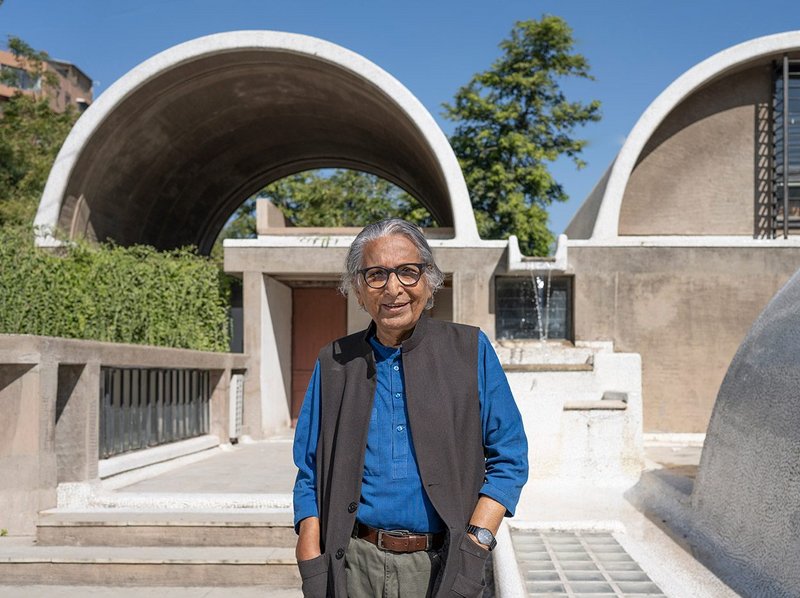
{"x":319,"y":315}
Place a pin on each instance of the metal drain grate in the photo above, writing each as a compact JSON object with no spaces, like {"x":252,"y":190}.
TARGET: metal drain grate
{"x":579,"y":564}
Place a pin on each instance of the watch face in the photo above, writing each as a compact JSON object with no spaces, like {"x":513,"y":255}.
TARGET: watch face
{"x":484,"y":536}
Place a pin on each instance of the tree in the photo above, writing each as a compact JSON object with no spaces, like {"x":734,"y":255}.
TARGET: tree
{"x":31,"y":134}
{"x":330,"y":199}
{"x":512,"y":121}
{"x":345,"y":198}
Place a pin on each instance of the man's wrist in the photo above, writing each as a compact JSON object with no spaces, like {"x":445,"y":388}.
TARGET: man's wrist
{"x":481,"y":536}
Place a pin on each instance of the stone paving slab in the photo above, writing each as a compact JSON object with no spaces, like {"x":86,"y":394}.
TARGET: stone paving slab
{"x":264,"y":467}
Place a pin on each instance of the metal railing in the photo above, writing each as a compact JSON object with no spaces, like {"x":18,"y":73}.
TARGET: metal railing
{"x":145,"y":407}
{"x":786,"y":147}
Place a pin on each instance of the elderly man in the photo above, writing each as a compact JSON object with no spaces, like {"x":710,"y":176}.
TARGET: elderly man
{"x":409,"y":446}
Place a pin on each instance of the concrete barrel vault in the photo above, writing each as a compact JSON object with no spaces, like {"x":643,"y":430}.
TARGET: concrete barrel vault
{"x":168,"y":152}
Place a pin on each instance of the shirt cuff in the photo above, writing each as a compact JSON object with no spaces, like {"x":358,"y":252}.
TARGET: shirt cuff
{"x":302,"y":512}
{"x":495,"y":493}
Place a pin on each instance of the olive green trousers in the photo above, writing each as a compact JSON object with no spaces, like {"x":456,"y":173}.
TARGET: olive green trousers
{"x":375,"y":573}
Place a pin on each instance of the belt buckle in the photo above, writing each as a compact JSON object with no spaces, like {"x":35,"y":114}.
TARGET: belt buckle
{"x":395,"y":533}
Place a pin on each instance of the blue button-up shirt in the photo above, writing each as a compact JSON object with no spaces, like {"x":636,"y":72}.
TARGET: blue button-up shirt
{"x":392,"y":494}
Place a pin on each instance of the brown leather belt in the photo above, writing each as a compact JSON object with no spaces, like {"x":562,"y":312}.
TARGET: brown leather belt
{"x":399,"y":540}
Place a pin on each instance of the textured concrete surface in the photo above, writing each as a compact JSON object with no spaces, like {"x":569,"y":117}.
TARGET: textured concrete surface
{"x":200,"y":127}
{"x":746,"y":498}
{"x":661,"y":555}
{"x":264,"y":467}
{"x":49,"y":398}
{"x":728,"y":62}
{"x":562,"y":393}
{"x":684,"y":309}
{"x":666,"y":560}
{"x":711,"y":139}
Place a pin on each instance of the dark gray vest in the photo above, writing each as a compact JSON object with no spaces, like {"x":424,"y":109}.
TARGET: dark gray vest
{"x":440,"y":362}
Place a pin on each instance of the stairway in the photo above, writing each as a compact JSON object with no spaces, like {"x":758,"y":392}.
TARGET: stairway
{"x":117,"y":548}
{"x":223,"y":520}
{"x":581,"y":406}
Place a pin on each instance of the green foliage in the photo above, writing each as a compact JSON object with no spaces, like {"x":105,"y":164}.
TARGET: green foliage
{"x":34,"y":62}
{"x":106,"y":293}
{"x":345,"y":198}
{"x":110,"y":293}
{"x":330,"y":199}
{"x":511,"y":122}
{"x":31,"y":134}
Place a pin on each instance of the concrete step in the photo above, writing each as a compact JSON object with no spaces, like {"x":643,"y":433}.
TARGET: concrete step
{"x":105,"y":591}
{"x":163,"y":529}
{"x":23,"y":562}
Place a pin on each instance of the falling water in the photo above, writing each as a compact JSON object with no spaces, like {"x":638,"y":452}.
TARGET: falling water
{"x":541,"y":300}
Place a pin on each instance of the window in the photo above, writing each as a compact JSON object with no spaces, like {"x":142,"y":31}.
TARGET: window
{"x":535,"y":307}
{"x":20,"y":78}
{"x":785,"y":211}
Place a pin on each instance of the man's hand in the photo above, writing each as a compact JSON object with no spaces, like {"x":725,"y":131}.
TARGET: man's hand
{"x":308,"y":540}
{"x":488,"y":513}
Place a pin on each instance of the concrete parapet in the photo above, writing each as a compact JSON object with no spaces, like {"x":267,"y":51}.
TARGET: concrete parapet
{"x":582,"y":410}
{"x":49,"y":400}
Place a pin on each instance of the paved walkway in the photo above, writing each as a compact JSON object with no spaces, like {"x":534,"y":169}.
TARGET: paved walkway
{"x":246,"y":468}
{"x":266,"y":468}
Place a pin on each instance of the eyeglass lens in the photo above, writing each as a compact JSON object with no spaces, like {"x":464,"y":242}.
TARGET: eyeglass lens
{"x":407,"y":274}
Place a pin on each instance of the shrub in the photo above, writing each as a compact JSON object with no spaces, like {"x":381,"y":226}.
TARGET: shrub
{"x":111,"y":293}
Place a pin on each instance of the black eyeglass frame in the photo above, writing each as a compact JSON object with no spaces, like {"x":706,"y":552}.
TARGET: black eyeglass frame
{"x":389,"y":271}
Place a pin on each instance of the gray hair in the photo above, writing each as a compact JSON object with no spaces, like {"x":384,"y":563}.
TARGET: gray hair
{"x":351,"y":278}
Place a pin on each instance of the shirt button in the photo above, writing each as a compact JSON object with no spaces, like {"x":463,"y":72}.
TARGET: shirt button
{"x":400,"y":428}
{"x":396,"y":368}
{"x":351,"y":508}
{"x":397,"y":395}
{"x":339,"y":553}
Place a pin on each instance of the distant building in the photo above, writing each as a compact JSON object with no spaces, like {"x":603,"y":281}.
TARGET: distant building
{"x":74,"y":86}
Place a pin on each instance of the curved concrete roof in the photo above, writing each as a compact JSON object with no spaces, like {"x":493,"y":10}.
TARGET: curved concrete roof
{"x":747,"y":493}
{"x":606,"y":224}
{"x":168,"y":152}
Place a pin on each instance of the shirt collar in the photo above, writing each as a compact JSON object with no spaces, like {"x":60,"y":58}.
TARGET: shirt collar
{"x":407,"y":345}
{"x":382,"y":352}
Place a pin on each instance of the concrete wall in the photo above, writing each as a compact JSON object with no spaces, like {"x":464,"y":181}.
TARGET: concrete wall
{"x":276,"y":365}
{"x":746,"y":498}
{"x":471,"y":300}
{"x":706,"y":167}
{"x":267,"y":275}
{"x":49,"y":397}
{"x":685,"y":310}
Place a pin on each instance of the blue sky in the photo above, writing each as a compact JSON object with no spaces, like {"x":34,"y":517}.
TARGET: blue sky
{"x":636,"y":48}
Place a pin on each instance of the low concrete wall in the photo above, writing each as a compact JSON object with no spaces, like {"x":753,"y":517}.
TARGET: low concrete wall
{"x":582,"y":411}
{"x":746,"y":498}
{"x":49,"y":401}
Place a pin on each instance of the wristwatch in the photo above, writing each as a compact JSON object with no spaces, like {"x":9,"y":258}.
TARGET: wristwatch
{"x":483,"y":535}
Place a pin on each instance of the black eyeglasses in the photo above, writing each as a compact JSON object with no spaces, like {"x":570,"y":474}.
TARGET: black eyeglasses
{"x":408,"y":275}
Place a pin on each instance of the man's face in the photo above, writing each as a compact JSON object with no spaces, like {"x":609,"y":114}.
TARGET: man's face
{"x":394,"y":308}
